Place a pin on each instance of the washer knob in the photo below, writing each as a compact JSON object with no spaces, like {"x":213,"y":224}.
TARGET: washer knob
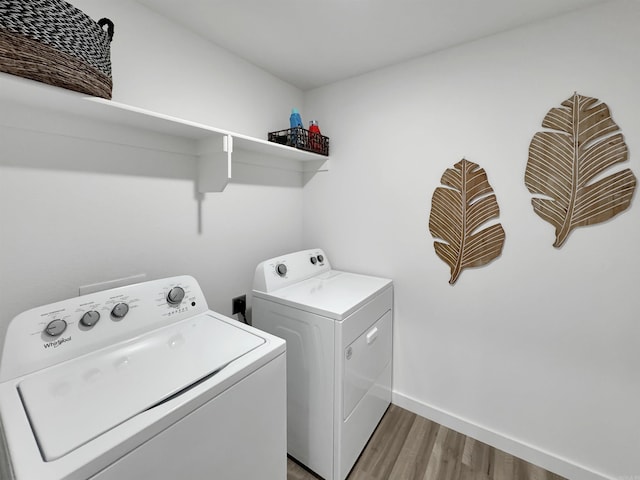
{"x":56,"y":327}
{"x":281,"y":269}
{"x":175,"y":295}
{"x":320,"y":258}
{"x":314,"y":260}
{"x":120,"y":310}
{"x":89,"y":319}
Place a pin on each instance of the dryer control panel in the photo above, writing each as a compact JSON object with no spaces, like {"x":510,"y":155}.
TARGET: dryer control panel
{"x":280,"y":272}
{"x":47,"y":335}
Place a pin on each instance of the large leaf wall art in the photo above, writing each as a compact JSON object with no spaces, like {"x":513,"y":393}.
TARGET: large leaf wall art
{"x":458,"y":210}
{"x":564,"y":163}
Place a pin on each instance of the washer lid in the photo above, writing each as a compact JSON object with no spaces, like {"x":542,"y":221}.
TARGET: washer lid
{"x":74,"y":402}
{"x":332,"y":294}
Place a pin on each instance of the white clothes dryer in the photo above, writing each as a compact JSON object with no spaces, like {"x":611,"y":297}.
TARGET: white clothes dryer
{"x":339,"y":329}
{"x":142,"y":381}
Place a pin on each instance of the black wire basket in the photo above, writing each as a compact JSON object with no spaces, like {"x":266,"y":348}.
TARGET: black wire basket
{"x":302,"y":139}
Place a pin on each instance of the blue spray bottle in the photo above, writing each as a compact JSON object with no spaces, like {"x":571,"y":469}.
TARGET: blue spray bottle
{"x":295,"y":121}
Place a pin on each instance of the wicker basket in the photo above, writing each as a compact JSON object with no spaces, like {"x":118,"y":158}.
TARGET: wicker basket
{"x":53,"y":42}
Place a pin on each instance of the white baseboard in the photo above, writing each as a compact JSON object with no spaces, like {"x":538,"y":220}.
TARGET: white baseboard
{"x":514,"y":447}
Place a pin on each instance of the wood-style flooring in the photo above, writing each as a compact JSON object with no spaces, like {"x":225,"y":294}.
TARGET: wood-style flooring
{"x":406,"y":446}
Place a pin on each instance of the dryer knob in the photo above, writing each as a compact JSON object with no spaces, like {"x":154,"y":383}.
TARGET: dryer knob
{"x":175,"y":295}
{"x":281,"y":269}
{"x":56,"y":327}
{"x":89,"y":319}
{"x":313,"y":260}
{"x":320,"y":258}
{"x":120,"y":310}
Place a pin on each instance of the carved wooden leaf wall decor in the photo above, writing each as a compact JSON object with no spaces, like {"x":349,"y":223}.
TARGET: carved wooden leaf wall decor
{"x":457,"y":213}
{"x":563,"y":162}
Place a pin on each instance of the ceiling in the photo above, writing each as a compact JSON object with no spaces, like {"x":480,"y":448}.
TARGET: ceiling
{"x":310,"y":43}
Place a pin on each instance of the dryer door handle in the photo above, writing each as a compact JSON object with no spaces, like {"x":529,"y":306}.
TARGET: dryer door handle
{"x":372,"y":335}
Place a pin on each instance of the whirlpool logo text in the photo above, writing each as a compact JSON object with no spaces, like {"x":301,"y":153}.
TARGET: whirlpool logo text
{"x":57,"y":343}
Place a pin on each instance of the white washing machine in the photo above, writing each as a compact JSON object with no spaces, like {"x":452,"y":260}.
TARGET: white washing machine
{"x":338,"y":327}
{"x":141,"y":382}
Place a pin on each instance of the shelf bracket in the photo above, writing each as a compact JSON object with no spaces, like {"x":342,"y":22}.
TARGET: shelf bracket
{"x":214,"y":163}
{"x":314,"y":166}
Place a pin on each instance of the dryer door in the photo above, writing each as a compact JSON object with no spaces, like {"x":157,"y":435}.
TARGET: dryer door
{"x":364,"y":361}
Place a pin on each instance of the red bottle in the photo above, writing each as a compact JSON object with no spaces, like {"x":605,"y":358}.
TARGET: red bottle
{"x":315,"y":137}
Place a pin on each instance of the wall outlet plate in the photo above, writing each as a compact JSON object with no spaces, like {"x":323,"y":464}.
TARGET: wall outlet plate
{"x":239,"y":305}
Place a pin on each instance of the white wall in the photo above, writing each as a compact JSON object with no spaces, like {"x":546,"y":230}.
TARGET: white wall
{"x":537,"y":347}
{"x":75,"y":212}
{"x":536,"y":352}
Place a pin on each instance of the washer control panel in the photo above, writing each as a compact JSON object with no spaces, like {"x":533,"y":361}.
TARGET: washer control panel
{"x":63,"y":330}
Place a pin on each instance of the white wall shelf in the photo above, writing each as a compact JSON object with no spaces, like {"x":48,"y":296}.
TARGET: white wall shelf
{"x":35,"y":106}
